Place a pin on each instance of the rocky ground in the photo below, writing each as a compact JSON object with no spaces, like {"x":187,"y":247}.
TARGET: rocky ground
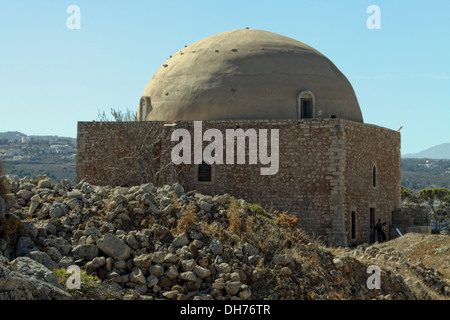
{"x":145,"y":242}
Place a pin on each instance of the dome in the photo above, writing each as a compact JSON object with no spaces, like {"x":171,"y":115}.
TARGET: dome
{"x":248,"y":74}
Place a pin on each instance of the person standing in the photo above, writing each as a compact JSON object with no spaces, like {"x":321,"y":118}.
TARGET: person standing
{"x":383,"y":231}
{"x":378,"y":229}
{"x":372,"y":233}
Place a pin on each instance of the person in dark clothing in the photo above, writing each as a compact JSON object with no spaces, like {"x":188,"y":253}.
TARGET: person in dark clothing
{"x":383,"y":231}
{"x":378,"y":229}
{"x":372,"y":233}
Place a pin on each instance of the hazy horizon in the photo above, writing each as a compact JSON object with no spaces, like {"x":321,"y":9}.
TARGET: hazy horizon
{"x":54,"y":76}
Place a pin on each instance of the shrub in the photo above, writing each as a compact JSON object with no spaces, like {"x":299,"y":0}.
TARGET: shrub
{"x":234,"y":216}
{"x":11,"y":230}
{"x":258,"y":211}
{"x":175,"y":202}
{"x":88,"y":282}
{"x":187,"y":218}
{"x":286,"y":221}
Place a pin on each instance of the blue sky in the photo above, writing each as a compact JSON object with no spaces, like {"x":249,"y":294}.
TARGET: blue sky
{"x":51,"y":76}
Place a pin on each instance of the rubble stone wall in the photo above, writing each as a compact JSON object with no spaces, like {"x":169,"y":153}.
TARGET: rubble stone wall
{"x":325,"y":168}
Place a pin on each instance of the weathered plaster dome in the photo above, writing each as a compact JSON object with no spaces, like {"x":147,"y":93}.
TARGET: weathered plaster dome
{"x":248,"y":74}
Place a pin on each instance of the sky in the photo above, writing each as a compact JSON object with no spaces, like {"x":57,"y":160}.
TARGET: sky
{"x":53,"y":75}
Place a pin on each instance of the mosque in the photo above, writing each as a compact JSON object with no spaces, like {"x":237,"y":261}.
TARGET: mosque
{"x":336,"y":173}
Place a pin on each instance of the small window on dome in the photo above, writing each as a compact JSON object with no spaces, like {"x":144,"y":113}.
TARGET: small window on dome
{"x":143,"y":111}
{"x":305,"y":105}
{"x":145,"y":107}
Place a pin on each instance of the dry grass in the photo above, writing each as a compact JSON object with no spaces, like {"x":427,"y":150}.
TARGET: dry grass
{"x":176,"y":204}
{"x":432,"y":250}
{"x":235,"y":222}
{"x":285,"y":220}
{"x":188,"y":217}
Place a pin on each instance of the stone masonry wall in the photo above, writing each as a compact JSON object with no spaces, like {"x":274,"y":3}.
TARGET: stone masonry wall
{"x":410,"y":220}
{"x":368,"y":146}
{"x":322,"y":169}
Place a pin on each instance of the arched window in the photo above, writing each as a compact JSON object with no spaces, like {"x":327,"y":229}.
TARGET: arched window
{"x":143,"y":111}
{"x":144,"y":108}
{"x":305,"y":105}
{"x":374,"y":176}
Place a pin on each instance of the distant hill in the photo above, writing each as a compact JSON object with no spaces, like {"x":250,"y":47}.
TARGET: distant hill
{"x":12,"y":135}
{"x":420,"y":174}
{"x":16,"y":136}
{"x":24,"y":155}
{"x":441,"y":151}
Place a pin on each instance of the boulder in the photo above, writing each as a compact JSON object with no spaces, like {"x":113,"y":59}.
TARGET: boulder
{"x":156,"y":270}
{"x":137,"y":276}
{"x":24,"y":194}
{"x":34,"y":204}
{"x":75,"y":194}
{"x":43,"y":258}
{"x":216,"y":247}
{"x":26,"y":279}
{"x":187,"y":276}
{"x":159,"y":257}
{"x":74,"y":203}
{"x":201,"y":272}
{"x":188,"y":265}
{"x":233,"y":287}
{"x":24,"y":246}
{"x":113,"y":247}
{"x":170,"y":294}
{"x":143,"y":261}
{"x":45,"y":183}
{"x":152,"y":280}
{"x":57,"y":210}
{"x":86,"y":187}
{"x":180,"y":240}
{"x":85,"y":251}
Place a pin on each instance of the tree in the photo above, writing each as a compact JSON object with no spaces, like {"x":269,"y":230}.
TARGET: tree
{"x":136,"y":157}
{"x":118,"y":116}
{"x":437,"y":200}
{"x":407,"y":194}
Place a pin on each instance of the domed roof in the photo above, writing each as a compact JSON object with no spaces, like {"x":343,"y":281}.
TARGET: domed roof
{"x":247,"y":74}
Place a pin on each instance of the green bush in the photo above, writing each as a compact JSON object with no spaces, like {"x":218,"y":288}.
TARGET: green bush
{"x":258,"y":211}
{"x":88,"y":282}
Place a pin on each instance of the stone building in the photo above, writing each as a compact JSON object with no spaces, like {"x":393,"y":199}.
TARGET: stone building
{"x":333,"y":171}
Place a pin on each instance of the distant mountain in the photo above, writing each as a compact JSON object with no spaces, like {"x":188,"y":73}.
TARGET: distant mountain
{"x":441,"y":151}
{"x":12,"y":135}
{"x":420,"y":174}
